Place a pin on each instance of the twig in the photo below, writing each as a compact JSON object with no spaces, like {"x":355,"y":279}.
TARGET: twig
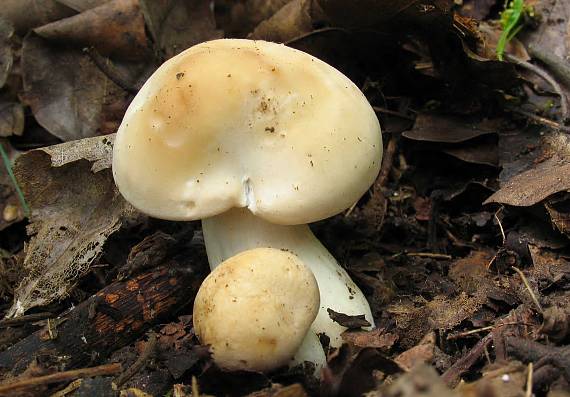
{"x":500,"y":224}
{"x":546,"y":77}
{"x":429,"y":255}
{"x":470,"y":332}
{"x":531,"y":292}
{"x":29,"y":318}
{"x":493,"y":259}
{"x":148,"y":351}
{"x":477,"y":330}
{"x":529,"y":381}
{"x":540,"y":119}
{"x":107,"y":369}
{"x":109,"y":70}
{"x":558,"y":66}
{"x":451,"y":376}
{"x":387,"y":161}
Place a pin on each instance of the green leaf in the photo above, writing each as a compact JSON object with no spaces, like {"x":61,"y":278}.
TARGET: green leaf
{"x":510,"y":22}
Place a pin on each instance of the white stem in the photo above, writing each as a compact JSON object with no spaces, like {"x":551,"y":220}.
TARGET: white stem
{"x":238,"y":230}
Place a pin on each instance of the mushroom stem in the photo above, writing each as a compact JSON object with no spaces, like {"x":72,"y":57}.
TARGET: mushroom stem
{"x":238,"y":230}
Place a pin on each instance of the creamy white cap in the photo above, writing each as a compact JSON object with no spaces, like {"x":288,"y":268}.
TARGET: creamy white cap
{"x":241,"y":123}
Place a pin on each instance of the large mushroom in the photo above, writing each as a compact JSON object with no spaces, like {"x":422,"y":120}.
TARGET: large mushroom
{"x":256,"y":139}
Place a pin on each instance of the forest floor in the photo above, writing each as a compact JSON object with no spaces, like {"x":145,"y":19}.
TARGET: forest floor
{"x":461,"y":245}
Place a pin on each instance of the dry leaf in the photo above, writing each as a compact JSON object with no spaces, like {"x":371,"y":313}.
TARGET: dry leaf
{"x":559,"y":213}
{"x":176,"y":25}
{"x":448,"y":129}
{"x":116,"y":29}
{"x":292,"y":20}
{"x":27,"y":14}
{"x":377,"y":338}
{"x":73,"y":212}
{"x":347,"y":320}
{"x":422,"y":353}
{"x":532,"y":186}
{"x":69,"y":96}
{"x":259,"y":10}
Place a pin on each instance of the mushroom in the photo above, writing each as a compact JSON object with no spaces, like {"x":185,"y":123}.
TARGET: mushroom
{"x":256,"y":139}
{"x":255,"y":309}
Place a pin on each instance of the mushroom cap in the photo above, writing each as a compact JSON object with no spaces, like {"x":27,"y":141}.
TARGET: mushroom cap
{"x":242,"y":123}
{"x":255,"y":309}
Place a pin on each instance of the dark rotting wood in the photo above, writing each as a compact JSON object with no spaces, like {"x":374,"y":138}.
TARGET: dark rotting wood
{"x":110,"y":319}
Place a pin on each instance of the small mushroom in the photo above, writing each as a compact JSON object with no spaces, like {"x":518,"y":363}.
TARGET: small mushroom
{"x":255,"y":309}
{"x":256,"y":139}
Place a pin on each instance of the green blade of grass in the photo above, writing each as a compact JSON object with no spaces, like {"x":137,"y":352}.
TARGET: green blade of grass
{"x":510,"y":18}
{"x":8,"y":166}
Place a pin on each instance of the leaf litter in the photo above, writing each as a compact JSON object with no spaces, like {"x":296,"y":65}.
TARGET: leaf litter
{"x":461,"y":245}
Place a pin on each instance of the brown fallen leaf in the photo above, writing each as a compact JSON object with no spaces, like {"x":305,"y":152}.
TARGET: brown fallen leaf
{"x":532,"y":186}
{"x":421,"y":353}
{"x":258,"y":11}
{"x":27,"y":14}
{"x":73,"y":212}
{"x":115,"y":29}
{"x":449,"y":129}
{"x":481,"y":152}
{"x":348,"y":321}
{"x":377,"y":338}
{"x":69,"y":96}
{"x":559,"y":213}
{"x":292,"y":20}
{"x":176,"y":25}
{"x":352,"y":371}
